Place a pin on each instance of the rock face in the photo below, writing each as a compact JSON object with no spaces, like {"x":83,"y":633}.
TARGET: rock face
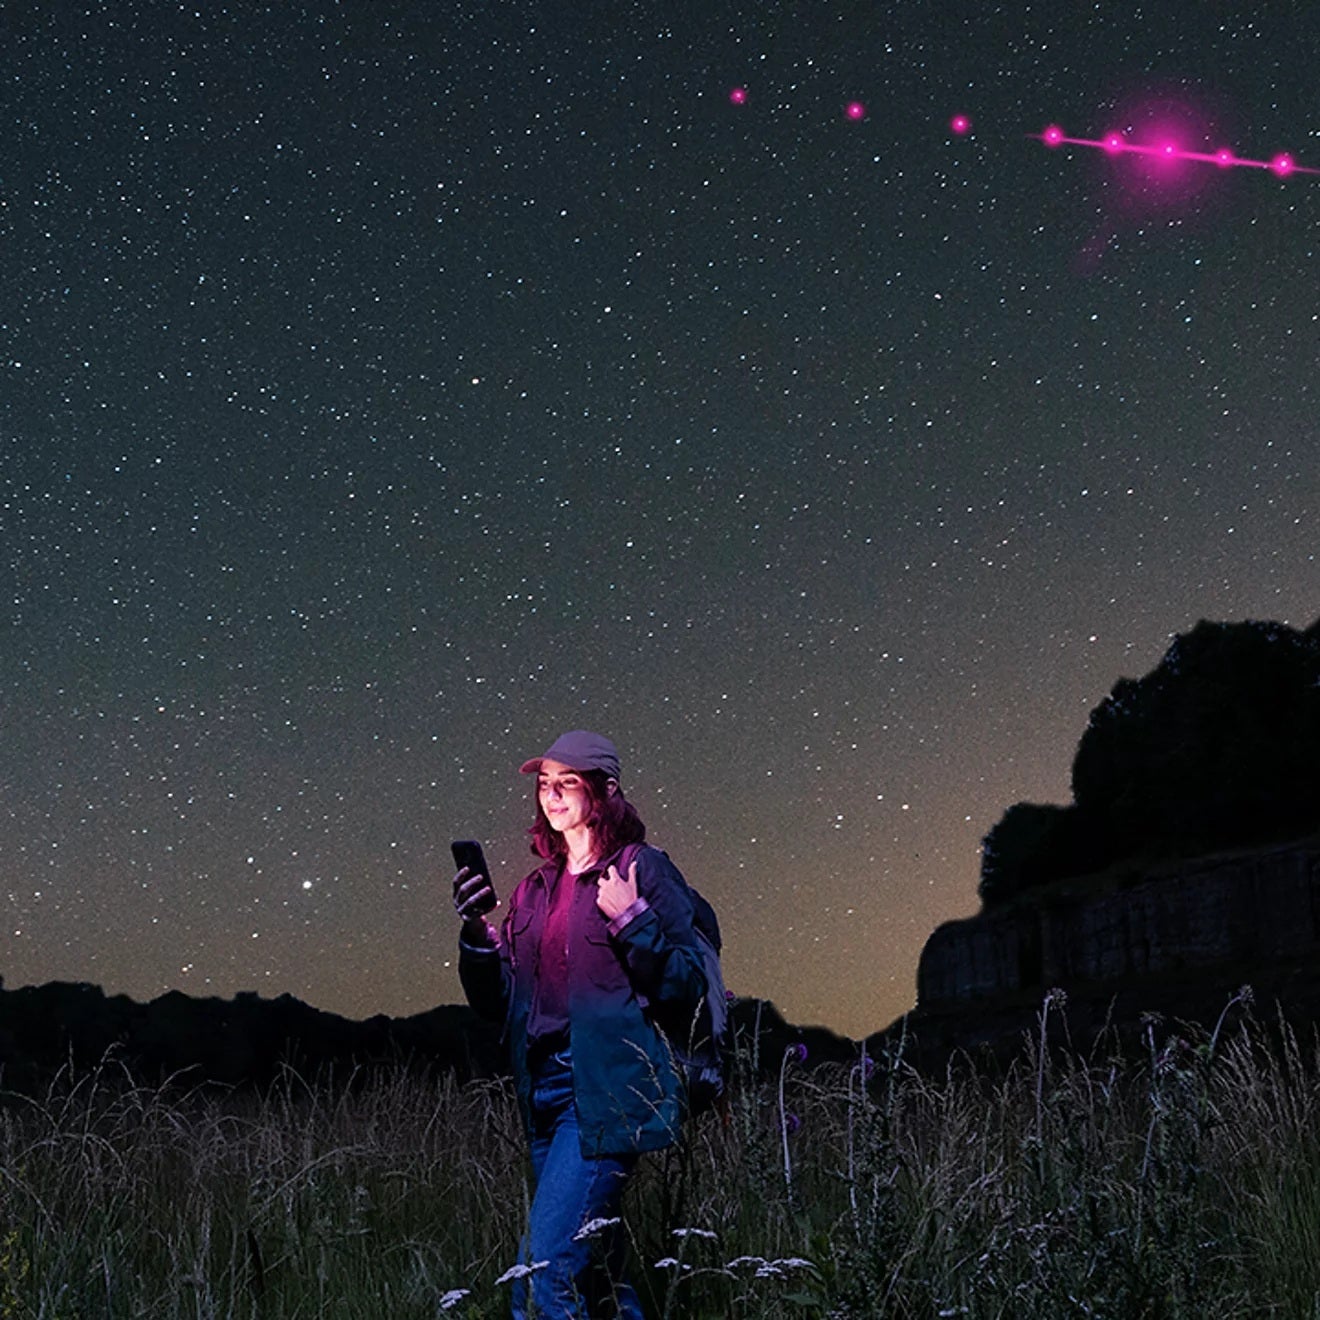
{"x":1174,"y":939}
{"x":1229,"y":912}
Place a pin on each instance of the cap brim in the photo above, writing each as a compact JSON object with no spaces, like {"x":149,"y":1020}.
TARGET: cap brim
{"x":531,"y":767}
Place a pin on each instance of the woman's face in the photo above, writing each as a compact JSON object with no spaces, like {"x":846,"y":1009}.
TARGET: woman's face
{"x":563,"y":796}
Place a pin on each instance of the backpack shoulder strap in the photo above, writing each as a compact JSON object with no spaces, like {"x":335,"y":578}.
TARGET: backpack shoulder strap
{"x":703,"y":915}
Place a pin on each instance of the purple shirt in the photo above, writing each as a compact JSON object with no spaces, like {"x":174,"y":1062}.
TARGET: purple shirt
{"x":548,"y":1020}
{"x":549,"y":1015}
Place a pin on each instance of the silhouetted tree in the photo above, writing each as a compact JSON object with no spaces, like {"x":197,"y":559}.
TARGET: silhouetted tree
{"x":1032,"y":844}
{"x":1218,"y":746}
{"x":1215,"y":746}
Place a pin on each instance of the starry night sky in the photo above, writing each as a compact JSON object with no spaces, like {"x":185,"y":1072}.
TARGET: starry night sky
{"x":385,"y":388}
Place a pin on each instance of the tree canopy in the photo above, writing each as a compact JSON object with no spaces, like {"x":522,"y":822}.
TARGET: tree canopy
{"x":1218,"y":746}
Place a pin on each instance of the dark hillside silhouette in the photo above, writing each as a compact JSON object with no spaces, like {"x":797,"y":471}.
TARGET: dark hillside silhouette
{"x":249,"y":1041}
{"x":1218,"y":747}
{"x":242,"y":1041}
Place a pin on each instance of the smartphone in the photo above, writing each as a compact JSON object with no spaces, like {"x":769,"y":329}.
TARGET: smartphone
{"x":467,"y":852}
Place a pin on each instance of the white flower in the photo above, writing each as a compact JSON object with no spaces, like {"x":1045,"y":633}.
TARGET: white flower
{"x":775,"y":1269}
{"x":669,"y":1263}
{"x":453,"y":1297}
{"x":745,"y":1260}
{"x":695,"y":1232}
{"x":522,"y":1271}
{"x":594,"y":1226}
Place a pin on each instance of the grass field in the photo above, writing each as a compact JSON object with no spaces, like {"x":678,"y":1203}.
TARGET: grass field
{"x":1181,"y":1178}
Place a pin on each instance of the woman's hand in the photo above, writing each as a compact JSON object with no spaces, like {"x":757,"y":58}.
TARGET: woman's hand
{"x":474,"y":896}
{"x":614,"y":894}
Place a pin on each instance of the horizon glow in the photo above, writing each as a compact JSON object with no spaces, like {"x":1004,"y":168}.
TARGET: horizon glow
{"x":1282,"y":165}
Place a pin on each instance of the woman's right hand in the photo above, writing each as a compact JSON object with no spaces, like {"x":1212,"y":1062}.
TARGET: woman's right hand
{"x":474,"y":896}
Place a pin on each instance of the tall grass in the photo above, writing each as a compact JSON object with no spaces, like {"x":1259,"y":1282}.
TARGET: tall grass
{"x":1176,"y":1177}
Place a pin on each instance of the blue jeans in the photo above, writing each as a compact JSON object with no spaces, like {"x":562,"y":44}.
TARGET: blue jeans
{"x":581,"y":1279}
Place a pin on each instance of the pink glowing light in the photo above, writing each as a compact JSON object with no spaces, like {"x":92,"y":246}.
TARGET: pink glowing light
{"x":855,"y":110}
{"x":960,"y":125}
{"x":738,"y":96}
{"x":1168,"y":151}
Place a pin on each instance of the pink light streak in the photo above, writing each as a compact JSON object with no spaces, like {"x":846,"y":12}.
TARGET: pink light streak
{"x":1115,"y":144}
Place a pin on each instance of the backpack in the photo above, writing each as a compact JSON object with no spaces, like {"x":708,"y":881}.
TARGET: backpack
{"x":700,"y":1045}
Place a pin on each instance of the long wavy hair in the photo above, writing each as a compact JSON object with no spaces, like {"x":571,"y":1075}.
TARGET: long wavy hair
{"x":612,"y":819}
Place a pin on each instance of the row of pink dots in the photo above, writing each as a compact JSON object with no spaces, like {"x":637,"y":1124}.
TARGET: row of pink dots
{"x":856,"y":110}
{"x":1115,"y":144}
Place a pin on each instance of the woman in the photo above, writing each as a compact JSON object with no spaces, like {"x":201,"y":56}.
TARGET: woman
{"x":585,"y":964}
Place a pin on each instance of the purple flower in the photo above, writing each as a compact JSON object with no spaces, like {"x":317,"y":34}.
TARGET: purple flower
{"x":796,"y":1053}
{"x":791,"y":1123}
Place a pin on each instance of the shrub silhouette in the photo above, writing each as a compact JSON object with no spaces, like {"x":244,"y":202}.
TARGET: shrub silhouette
{"x":1218,"y":746}
{"x":1032,"y":844}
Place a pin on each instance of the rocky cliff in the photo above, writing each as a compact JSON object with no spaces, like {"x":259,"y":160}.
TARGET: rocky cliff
{"x":1222,"y":912}
{"x":1178,"y":939}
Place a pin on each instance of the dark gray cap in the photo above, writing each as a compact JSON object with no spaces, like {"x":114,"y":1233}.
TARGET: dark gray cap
{"x":579,"y":750}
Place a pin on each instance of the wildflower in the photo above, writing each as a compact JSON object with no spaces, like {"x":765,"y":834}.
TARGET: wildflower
{"x":694,"y":1232}
{"x":522,"y":1271}
{"x":593,"y":1227}
{"x":670,"y":1263}
{"x":452,"y":1298}
{"x":789,"y":1122}
{"x":776,"y":1269}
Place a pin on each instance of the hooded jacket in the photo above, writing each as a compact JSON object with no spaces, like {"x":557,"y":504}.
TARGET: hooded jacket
{"x":624,"y":976}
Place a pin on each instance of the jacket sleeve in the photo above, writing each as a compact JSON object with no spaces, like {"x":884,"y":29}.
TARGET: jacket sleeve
{"x":657,"y":939}
{"x":486,"y":977}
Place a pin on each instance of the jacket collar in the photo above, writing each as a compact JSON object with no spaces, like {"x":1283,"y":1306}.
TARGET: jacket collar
{"x":546,"y":872}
